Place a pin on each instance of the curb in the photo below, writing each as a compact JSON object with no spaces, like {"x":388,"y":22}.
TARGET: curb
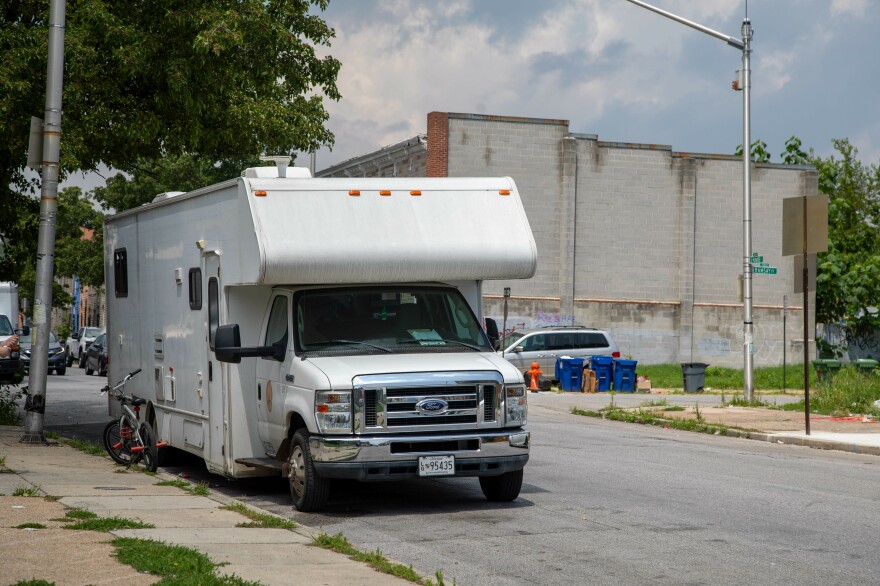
{"x":807,"y":442}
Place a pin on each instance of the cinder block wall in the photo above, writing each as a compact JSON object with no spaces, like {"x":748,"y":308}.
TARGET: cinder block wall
{"x":637,"y":239}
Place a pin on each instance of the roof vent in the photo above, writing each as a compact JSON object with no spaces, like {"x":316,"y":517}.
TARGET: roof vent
{"x":167,"y":195}
{"x":271,"y":173}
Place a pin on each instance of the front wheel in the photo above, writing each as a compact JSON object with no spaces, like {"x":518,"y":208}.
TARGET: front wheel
{"x":307,"y":489}
{"x":61,"y":370}
{"x":118,"y":443}
{"x":82,"y":359}
{"x":502,"y":488}
{"x":151,"y":452}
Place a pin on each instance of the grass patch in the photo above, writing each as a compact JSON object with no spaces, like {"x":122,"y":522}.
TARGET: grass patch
{"x":175,"y":564}
{"x":259,"y":520}
{"x":644,"y":417}
{"x":78,"y":444}
{"x":27,"y":491}
{"x":675,"y":408}
{"x":376,"y":560}
{"x":30,"y":526}
{"x":740,"y":401}
{"x":107,"y":524}
{"x":769,"y":378}
{"x":34,"y":583}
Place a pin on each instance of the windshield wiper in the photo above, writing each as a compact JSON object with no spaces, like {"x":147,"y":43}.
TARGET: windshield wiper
{"x":434,"y":342}
{"x":325,"y":342}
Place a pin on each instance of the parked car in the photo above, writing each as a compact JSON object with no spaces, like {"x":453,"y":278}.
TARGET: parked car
{"x":545,"y":345}
{"x":57,"y":353}
{"x":10,"y":367}
{"x":96,"y":356}
{"x":79,"y":342}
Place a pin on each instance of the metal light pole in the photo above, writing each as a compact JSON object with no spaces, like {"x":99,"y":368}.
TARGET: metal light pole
{"x":35,"y":405}
{"x":745,"y":46}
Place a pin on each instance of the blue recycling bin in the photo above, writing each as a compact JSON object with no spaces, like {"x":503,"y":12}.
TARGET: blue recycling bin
{"x":603,"y":366}
{"x":625,"y":375}
{"x":571,"y":373}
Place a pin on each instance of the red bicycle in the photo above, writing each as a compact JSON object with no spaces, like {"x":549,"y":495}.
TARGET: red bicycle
{"x":129,"y":440}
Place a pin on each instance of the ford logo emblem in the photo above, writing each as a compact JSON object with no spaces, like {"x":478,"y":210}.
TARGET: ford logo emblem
{"x":432,"y":406}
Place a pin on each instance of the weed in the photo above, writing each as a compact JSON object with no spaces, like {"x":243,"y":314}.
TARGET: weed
{"x":697,"y":413}
{"x":34,"y":583}
{"x":259,"y":520}
{"x":85,"y":446}
{"x":654,"y":403}
{"x":175,"y":564}
{"x":3,"y":467}
{"x":30,"y":526}
{"x":33,"y":490}
{"x":200,"y":489}
{"x":80,"y":514}
{"x":647,"y":418}
{"x":340,"y":544}
{"x":9,"y":409}
{"x":740,"y":401}
{"x":107,"y":524}
{"x":674,"y":408}
{"x":52,"y":435}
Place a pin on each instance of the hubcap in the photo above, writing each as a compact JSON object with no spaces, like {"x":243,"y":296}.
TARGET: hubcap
{"x":297,"y":471}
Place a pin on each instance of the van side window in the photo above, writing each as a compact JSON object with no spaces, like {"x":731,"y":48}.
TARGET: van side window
{"x":276,"y":329}
{"x":120,"y":272}
{"x":213,"y":309}
{"x":195,"y":288}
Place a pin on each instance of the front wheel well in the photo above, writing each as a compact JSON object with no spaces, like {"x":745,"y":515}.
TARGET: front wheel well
{"x":295,"y":422}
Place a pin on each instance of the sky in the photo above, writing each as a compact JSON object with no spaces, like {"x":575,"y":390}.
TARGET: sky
{"x":610,"y":67}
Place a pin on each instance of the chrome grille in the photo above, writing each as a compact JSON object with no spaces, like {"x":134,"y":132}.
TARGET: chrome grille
{"x":414,"y":401}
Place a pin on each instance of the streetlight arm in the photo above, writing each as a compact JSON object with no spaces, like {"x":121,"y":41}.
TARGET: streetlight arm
{"x":733,"y":42}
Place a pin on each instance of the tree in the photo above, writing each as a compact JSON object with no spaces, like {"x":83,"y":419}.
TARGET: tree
{"x":221,"y":80}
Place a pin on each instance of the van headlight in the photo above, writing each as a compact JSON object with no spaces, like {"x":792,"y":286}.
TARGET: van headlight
{"x":333,"y":411}
{"x":516,"y":406}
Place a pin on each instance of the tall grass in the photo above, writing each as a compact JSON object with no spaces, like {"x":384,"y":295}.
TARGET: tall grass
{"x":848,"y":392}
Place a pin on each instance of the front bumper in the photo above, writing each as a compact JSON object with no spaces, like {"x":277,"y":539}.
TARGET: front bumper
{"x":55,"y":361}
{"x":9,"y":367}
{"x":391,"y":458}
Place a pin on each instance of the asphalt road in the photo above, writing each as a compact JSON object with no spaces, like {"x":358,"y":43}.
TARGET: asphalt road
{"x":603,"y":503}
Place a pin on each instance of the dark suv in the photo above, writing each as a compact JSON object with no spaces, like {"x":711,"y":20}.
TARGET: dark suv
{"x":545,"y":345}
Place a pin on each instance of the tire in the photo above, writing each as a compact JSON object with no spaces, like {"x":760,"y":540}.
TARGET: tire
{"x":308,"y":490}
{"x":82,"y":360}
{"x":116,"y":446}
{"x":150,"y":456}
{"x":61,"y":370}
{"x":69,"y":360}
{"x":89,"y":371}
{"x":102,"y":369}
{"x":503,"y":488}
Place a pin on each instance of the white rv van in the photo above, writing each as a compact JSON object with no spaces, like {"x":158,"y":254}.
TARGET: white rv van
{"x":324,"y":328}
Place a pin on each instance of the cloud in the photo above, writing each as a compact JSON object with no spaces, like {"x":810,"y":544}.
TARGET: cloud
{"x":849,"y":7}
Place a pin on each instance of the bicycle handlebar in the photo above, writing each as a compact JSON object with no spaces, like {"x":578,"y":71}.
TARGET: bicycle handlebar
{"x":120,"y":384}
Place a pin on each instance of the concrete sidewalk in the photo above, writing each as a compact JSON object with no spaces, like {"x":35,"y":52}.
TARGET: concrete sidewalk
{"x":97,"y":484}
{"x":858,"y":435}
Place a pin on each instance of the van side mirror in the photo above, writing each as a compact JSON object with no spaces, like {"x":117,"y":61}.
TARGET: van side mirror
{"x":227,"y":346}
{"x":492,"y":332}
{"x":75,"y":335}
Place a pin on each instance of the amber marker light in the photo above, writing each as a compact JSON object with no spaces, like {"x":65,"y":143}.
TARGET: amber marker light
{"x":354,"y":192}
{"x":415,"y":192}
{"x":385,"y":192}
{"x":260,"y":193}
{"x":504,"y":192}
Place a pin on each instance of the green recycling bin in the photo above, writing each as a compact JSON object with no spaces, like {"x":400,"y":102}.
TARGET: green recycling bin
{"x":866,"y":366}
{"x":826,"y":368}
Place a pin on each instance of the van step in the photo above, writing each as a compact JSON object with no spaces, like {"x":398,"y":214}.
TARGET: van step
{"x":261,"y":463}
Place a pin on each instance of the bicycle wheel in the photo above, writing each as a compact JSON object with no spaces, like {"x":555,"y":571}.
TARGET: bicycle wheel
{"x":151,"y":452}
{"x":118,"y":443}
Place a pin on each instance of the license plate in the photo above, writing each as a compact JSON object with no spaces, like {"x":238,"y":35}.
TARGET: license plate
{"x":436,"y":465}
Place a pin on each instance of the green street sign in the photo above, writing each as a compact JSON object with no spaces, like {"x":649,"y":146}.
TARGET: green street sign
{"x":756,"y":259}
{"x":764,"y":270}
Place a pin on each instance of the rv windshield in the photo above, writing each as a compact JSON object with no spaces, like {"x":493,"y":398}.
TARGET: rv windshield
{"x":387,"y":319}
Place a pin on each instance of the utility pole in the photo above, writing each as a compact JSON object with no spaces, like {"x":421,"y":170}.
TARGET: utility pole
{"x":745,"y":45}
{"x":35,"y":405}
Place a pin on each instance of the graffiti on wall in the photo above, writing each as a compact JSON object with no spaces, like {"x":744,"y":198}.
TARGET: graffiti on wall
{"x":541,"y":320}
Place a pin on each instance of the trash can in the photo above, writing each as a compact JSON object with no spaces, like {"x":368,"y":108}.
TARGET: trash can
{"x":625,"y":375}
{"x":571,"y":373}
{"x":826,"y":368}
{"x":603,"y":366}
{"x":866,"y":366}
{"x":694,"y":375}
{"x":557,"y":368}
